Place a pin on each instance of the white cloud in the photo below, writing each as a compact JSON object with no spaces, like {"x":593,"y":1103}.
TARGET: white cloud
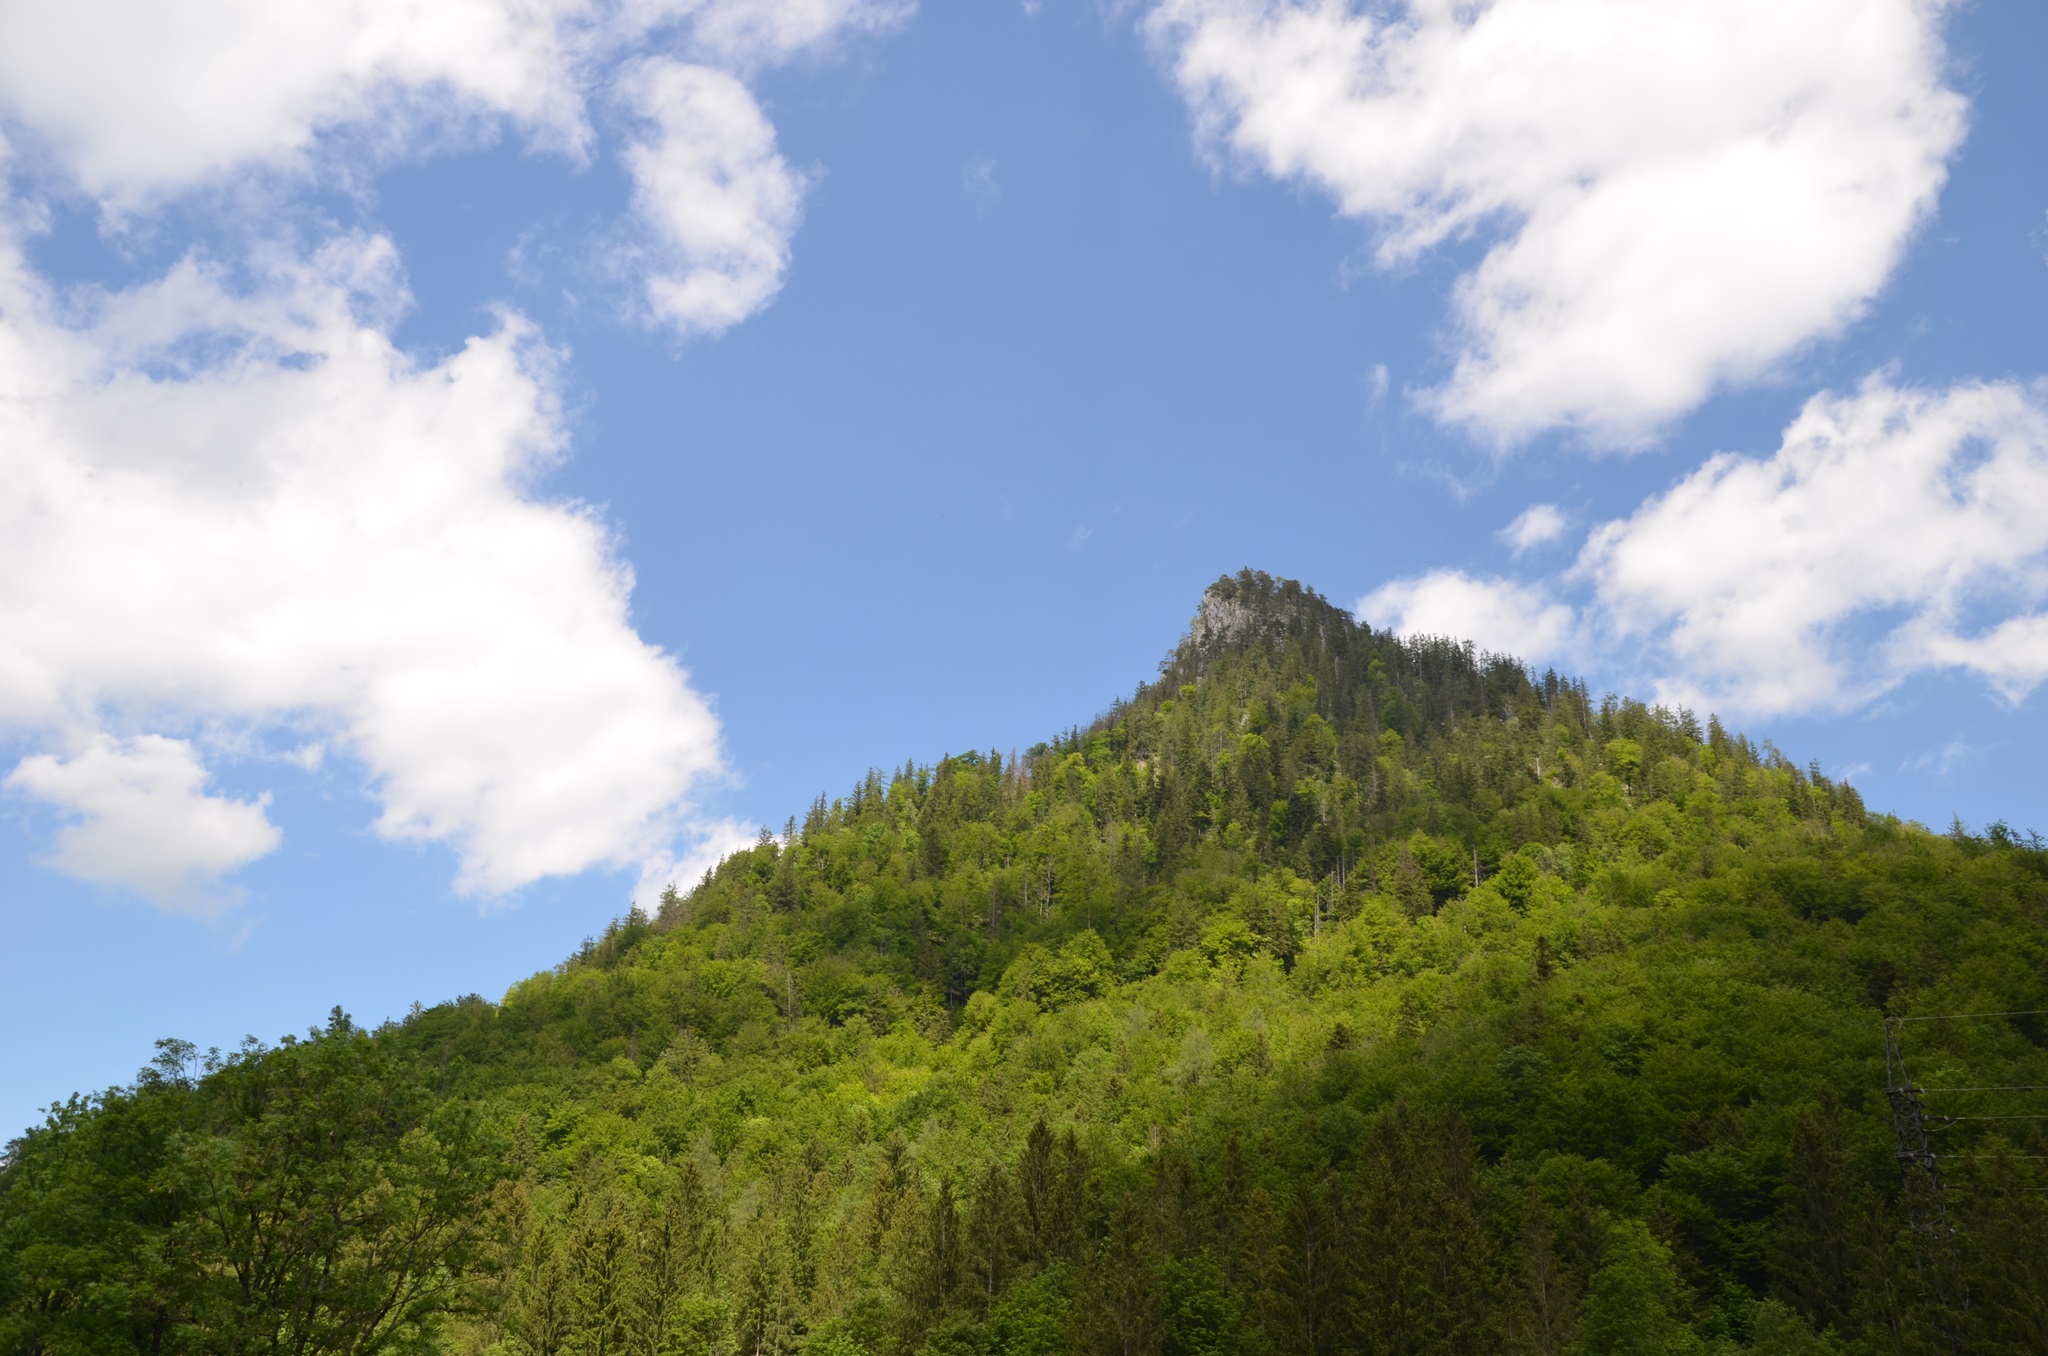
{"x":1679,"y":194}
{"x":239,"y":508}
{"x":709,"y":845}
{"x":144,"y":96}
{"x":719,"y":204}
{"x":1495,"y":614}
{"x":310,"y":533}
{"x":1895,"y":530}
{"x":1534,"y":526}
{"x":141,"y":819}
{"x":138,"y":100}
{"x":753,"y":33}
{"x":139,"y":97}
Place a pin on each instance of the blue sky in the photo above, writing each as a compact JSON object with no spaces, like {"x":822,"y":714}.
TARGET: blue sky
{"x":921,"y":365}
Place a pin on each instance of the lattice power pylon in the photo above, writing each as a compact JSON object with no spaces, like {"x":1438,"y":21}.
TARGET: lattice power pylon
{"x":1926,"y":1211}
{"x":1925,"y":1197}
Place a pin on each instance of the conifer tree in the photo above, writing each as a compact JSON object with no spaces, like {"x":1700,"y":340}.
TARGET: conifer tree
{"x":543,"y":1297}
{"x":1118,"y":1310}
{"x":765,"y":1317}
{"x":991,"y":1237}
{"x":601,"y":1256}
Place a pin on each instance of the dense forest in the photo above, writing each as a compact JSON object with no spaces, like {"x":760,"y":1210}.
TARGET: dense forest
{"x":1333,"y":993}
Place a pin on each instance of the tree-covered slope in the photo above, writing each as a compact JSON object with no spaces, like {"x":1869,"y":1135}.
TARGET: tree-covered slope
{"x":1334,"y":993}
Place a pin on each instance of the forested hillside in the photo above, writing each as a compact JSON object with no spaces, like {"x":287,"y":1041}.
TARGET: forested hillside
{"x":1333,"y":993}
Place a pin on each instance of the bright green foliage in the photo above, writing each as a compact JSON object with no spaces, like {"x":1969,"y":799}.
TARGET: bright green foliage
{"x":1332,"y":994}
{"x":310,"y":1198}
{"x":1633,"y":1303}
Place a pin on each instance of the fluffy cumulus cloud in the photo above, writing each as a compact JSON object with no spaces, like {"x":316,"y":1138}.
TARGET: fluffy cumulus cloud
{"x":1674,"y":196}
{"x":1536,"y":525}
{"x":141,"y":819}
{"x":314,"y":534}
{"x":1895,"y":530}
{"x":239,"y":517}
{"x":1495,"y":614}
{"x":718,"y":202}
{"x":137,"y":98}
{"x":134,"y":101}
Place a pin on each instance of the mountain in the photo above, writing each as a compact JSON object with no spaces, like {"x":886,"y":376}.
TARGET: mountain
{"x":1334,"y":993}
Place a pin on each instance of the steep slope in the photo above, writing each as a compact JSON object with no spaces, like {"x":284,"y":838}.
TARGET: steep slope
{"x":1332,"y":993}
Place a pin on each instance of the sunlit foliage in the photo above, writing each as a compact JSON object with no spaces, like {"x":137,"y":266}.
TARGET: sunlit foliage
{"x":1333,"y":993}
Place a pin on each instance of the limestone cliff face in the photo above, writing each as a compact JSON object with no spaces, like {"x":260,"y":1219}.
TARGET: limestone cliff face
{"x":1253,"y":608}
{"x":1220,"y":620}
{"x":1364,"y":679}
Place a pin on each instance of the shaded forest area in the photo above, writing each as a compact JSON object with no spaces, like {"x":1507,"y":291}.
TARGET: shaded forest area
{"x":1334,"y":993}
